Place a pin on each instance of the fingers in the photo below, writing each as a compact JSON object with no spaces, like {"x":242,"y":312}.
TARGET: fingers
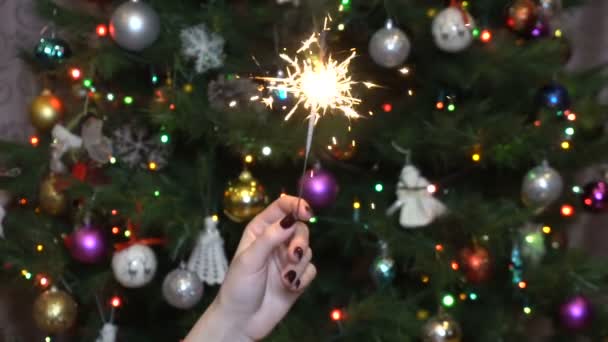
{"x":292,"y":275}
{"x":299,"y":243}
{"x":282,"y":206}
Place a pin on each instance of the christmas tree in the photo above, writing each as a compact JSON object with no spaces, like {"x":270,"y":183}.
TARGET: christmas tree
{"x":439,"y":140}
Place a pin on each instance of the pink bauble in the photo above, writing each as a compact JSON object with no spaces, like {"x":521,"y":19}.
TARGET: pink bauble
{"x":88,"y":245}
{"x":319,"y":188}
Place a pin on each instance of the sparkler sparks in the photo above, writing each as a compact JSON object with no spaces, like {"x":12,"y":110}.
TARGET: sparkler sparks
{"x":319,"y":84}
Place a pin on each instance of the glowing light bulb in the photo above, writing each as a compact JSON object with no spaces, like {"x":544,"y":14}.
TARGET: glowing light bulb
{"x":341,"y":27}
{"x":156,"y":193}
{"x":102,"y":30}
{"x":387,"y":107}
{"x":567,"y":210}
{"x":454,"y":265}
{"x":164,"y":138}
{"x":439,"y":247}
{"x":451,"y":107}
{"x":116,"y":302}
{"x":313,"y":220}
{"x":431,"y":188}
{"x":378,"y":187}
{"x":522,"y":285}
{"x":547,"y":230}
{"x":127,"y":233}
{"x":34,"y":141}
{"x":152,"y":166}
{"x":75,"y":73}
{"x":565,"y":145}
{"x":128,"y":100}
{"x":115,"y":230}
{"x":527,"y":310}
{"x":476,"y":157}
{"x":439,"y":105}
{"x":357,"y":205}
{"x":249,"y":159}
{"x":266,"y":150}
{"x":337,"y":315}
{"x":39,"y":248}
{"x":448,"y":300}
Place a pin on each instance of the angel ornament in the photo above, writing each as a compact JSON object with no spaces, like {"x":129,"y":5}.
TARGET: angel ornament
{"x":208,"y":259}
{"x":418,"y":206}
{"x":63,"y":141}
{"x":107,"y":333}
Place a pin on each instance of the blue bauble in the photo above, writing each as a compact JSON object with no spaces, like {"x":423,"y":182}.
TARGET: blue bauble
{"x":554,"y":96}
{"x":383,"y":270}
{"x":52,"y":50}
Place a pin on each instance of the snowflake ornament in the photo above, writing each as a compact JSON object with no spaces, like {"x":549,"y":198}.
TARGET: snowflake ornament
{"x":135,"y":147}
{"x":205,"y":47}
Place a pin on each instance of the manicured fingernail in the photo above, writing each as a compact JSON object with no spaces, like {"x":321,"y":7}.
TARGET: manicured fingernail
{"x":290,"y":276}
{"x":288,"y":221}
{"x":299,"y":252}
{"x":298,"y":284}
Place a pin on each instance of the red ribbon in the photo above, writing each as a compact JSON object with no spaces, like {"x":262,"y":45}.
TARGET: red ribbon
{"x":458,"y":4}
{"x":133,"y":240}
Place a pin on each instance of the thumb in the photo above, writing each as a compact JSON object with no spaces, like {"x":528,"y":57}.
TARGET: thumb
{"x":257,"y":254}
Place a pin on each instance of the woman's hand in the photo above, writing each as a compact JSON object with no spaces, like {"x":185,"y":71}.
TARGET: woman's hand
{"x":270,"y":270}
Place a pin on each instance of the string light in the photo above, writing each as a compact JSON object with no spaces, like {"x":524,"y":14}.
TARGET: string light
{"x":215,"y":218}
{"x":527,"y":310}
{"x":266,"y":150}
{"x":387,"y":107}
{"x":128,"y":100}
{"x":249,"y":159}
{"x":567,"y":210}
{"x":431,"y":188}
{"x":102,"y":30}
{"x":571,"y":117}
{"x":410,"y":92}
{"x":127,"y":233}
{"x":463,"y":296}
{"x":115,"y":230}
{"x":116,"y":302}
{"x":114,"y":212}
{"x":156,"y":193}
{"x":404,"y":71}
{"x":576,"y":189}
{"x":569,"y":131}
{"x":439,"y":247}
{"x":47,"y":339}
{"x":537,"y":123}
{"x":152,"y":166}
{"x":110,"y":97}
{"x":172,"y":106}
{"x":448,"y":300}
{"x":39,"y":248}
{"x":337,"y":315}
{"x":522,"y":285}
{"x":473,"y":296}
{"x":431,"y":12}
{"x":425,"y":279}
{"x":439,"y":105}
{"x":476,"y":157}
{"x":356,"y":205}
{"x":188,"y":88}
{"x":43,"y":281}
{"x":378,"y":187}
{"x":341,"y":27}
{"x":75,"y":73}
{"x":313,"y":220}
{"x":451,"y":107}
{"x":34,"y":140}
{"x":547,"y":230}
{"x":87,"y":83}
{"x":454,"y":265}
{"x":558,"y":33}
{"x":486,"y":36}
{"x":565,"y":145}
{"x":23,"y":201}
{"x":422,"y":315}
{"x":475,"y":32}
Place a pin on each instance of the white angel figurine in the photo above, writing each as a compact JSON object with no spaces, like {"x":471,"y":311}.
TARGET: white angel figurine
{"x":4,"y":199}
{"x":63,"y":141}
{"x":107,"y":333}
{"x":208,"y":259}
{"x":418,"y":206}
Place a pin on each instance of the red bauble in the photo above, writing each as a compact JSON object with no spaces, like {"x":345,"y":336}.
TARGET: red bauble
{"x":476,"y":263}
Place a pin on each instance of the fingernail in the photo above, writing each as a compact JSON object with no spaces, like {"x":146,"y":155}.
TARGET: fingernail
{"x":288,"y":221}
{"x":298,"y":284}
{"x":290,"y":276}
{"x":299,"y":252}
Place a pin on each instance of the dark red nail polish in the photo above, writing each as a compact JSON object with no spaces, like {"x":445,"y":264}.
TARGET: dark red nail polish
{"x":299,"y":252}
{"x":290,"y":276}
{"x":298,"y":284}
{"x":288,"y":221}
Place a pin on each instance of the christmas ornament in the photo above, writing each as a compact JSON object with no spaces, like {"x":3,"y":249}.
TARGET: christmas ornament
{"x":549,"y":9}
{"x":442,"y":328}
{"x":134,"y":25}
{"x":134,"y":146}
{"x":517,"y":264}
{"x":244,"y":198}
{"x":532,"y":245}
{"x":55,"y":311}
{"x":541,"y":186}
{"x":554,"y":96}
{"x":208,"y":259}
{"x":522,"y":16}
{"x":52,"y":50}
{"x":98,"y":146}
{"x":134,"y":266}
{"x":575,"y":313}
{"x":389,"y":46}
{"x":453,"y":29}
{"x":418,"y":206}
{"x":63,"y":141}
{"x":233,"y":93}
{"x":595,"y":196}
{"x":52,"y":201}
{"x":319,"y":187}
{"x":182,"y":288}
{"x":107,"y":333}
{"x":87,"y":245}
{"x":477,"y":264}
{"x":46,"y":110}
{"x":206,"y":48}
{"x":383,"y":267}
{"x":5,"y":198}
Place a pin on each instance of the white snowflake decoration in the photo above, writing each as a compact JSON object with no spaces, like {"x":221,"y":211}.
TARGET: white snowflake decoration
{"x":134,"y":147}
{"x":205,"y":47}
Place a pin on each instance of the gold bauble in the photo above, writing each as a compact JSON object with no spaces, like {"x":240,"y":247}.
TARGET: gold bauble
{"x":244,"y":198}
{"x":55,"y":311}
{"x":442,"y":328}
{"x":46,"y":111}
{"x":53,"y":202}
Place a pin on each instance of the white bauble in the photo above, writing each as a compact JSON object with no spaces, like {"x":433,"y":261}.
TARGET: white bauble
{"x":389,"y":46}
{"x":134,"y":266}
{"x":451,"y":31}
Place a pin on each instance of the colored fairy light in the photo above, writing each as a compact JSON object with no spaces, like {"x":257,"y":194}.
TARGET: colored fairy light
{"x":473,"y":296}
{"x":43,"y":281}
{"x":313,"y":220}
{"x":404,"y":71}
{"x":451,"y":107}
{"x":558,"y":33}
{"x":439,"y":247}
{"x":565,"y":145}
{"x":463,"y":296}
{"x":172,"y":106}
{"x":569,"y":131}
{"x":152,"y":166}
{"x":454,"y":265}
{"x":115,"y":230}
{"x":188,"y":88}
{"x":87,"y":83}
{"x":39,"y":248}
{"x":156,"y":193}
{"x":439,"y":105}
{"x":571,"y":117}
{"x":116,"y":302}
{"x":110,"y":97}
{"x":387,"y":107}
{"x":475,"y":32}
{"x":164,"y":138}
{"x":378,"y":187}
{"x":127,"y":233}
{"x":567,"y":210}
{"x":249,"y":159}
{"x":425,"y":279}
{"x":356,"y":205}
{"x":34,"y":140}
{"x":266,"y":150}
{"x":23,"y":201}
{"x":341,"y":27}
{"x":102,"y":30}
{"x":128,"y":100}
{"x":75,"y":73}
{"x":155,"y":79}
{"x":547,"y":230}
{"x":527,"y":310}
{"x":448,"y":300}
{"x":576,"y":189}
{"x":431,"y":188}
{"x":215,"y":218}
{"x":114,"y":212}
{"x":337,"y":315}
{"x":486,"y":36}
{"x":522,"y":285}
{"x":476,"y":157}
{"x":422,"y":315}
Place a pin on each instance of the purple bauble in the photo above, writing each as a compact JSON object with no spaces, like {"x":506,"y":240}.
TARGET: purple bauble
{"x":595,"y":196}
{"x":88,"y":245}
{"x":575,"y":313}
{"x":319,"y":188}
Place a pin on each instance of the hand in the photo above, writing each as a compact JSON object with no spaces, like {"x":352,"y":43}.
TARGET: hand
{"x":270,"y":270}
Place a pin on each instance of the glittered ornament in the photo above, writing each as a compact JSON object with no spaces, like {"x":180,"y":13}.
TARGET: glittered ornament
{"x":244,"y":198}
{"x":575,"y":313}
{"x":554,"y":96}
{"x":182,"y":288}
{"x":522,"y":16}
{"x":55,"y":311}
{"x":541,"y":186}
{"x":476,"y":264}
{"x":453,"y":29}
{"x":52,"y":201}
{"x":595,"y":196}
{"x":383,"y":267}
{"x":134,"y":25}
{"x":134,"y":266}
{"x":46,"y":110}
{"x":319,"y":187}
{"x":204,"y":47}
{"x":389,"y":46}
{"x":442,"y":328}
{"x":87,"y":245}
{"x":52,"y":50}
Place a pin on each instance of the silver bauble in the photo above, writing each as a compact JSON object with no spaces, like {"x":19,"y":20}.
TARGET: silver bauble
{"x":182,"y":288}
{"x":542,"y":186}
{"x":134,"y":25}
{"x":453,"y":30}
{"x":389,"y":46}
{"x":442,"y":328}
